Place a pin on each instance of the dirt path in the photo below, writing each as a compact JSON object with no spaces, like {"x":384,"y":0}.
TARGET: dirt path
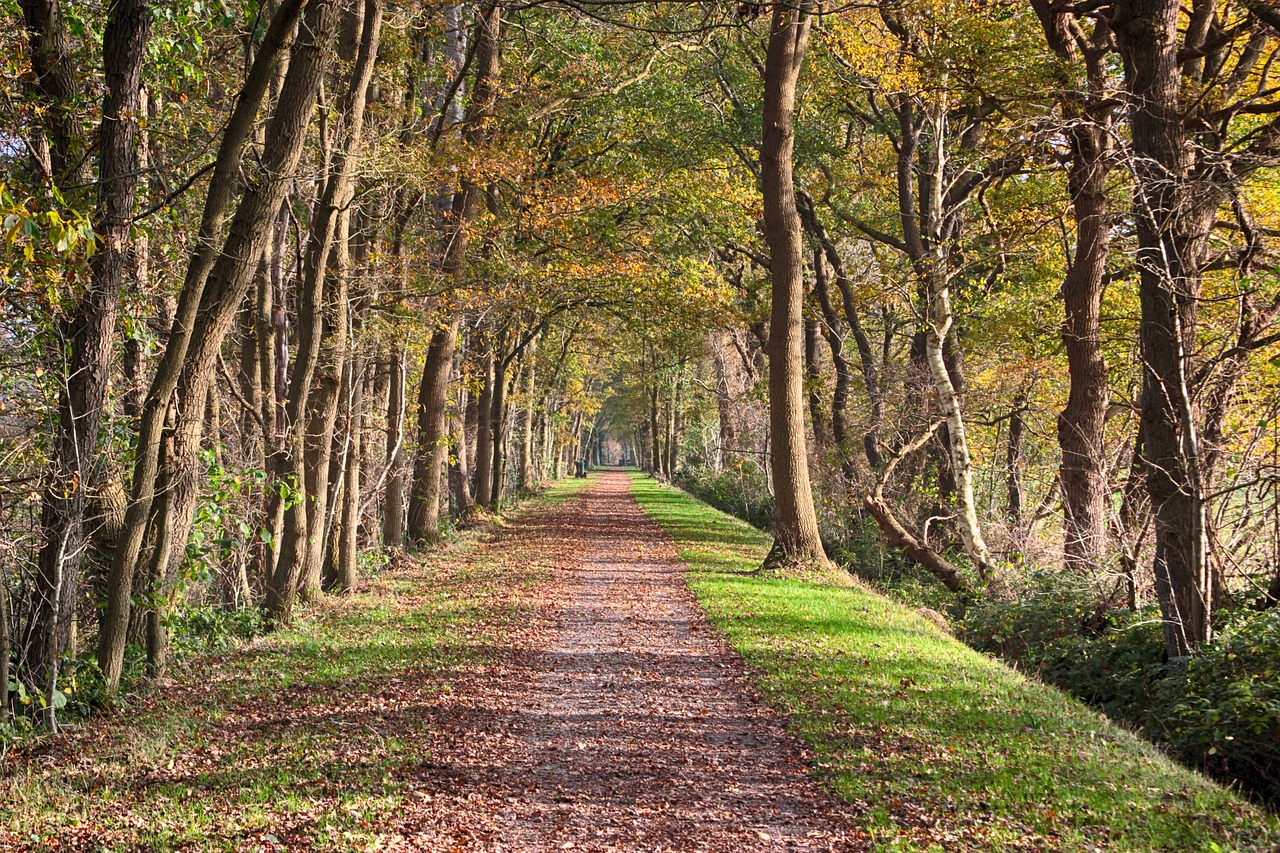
{"x":619,"y":721}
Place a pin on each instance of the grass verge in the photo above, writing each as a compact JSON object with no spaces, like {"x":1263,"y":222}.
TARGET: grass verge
{"x":938,"y":746}
{"x":307,"y":738}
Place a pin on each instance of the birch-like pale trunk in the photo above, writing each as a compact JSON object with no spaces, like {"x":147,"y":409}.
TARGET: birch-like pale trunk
{"x":941,"y":323}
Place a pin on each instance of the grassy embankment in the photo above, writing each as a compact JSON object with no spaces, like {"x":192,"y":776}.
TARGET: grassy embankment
{"x":307,"y":738}
{"x":936,"y":745}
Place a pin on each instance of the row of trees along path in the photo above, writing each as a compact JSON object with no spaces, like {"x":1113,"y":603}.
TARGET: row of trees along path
{"x":236,"y":243}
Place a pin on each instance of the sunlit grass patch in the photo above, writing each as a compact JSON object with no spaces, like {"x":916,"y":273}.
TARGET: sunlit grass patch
{"x":937,"y":746}
{"x":306,"y":738}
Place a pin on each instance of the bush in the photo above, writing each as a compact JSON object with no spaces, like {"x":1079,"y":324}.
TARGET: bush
{"x":1218,"y":711}
{"x":1063,"y":633}
{"x":1221,"y":709}
{"x":214,"y":628}
{"x":739,"y":489}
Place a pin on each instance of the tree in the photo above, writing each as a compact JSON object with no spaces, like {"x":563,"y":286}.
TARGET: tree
{"x":214,"y":287}
{"x":432,"y":449}
{"x":1087,"y":108}
{"x":322,"y":346}
{"x":1190,"y":156}
{"x":87,"y":334}
{"x":796,"y":538}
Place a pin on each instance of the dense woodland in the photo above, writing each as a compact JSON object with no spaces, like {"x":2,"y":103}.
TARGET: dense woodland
{"x":977,"y":298}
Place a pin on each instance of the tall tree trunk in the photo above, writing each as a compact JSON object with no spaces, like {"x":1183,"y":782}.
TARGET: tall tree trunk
{"x":1134,"y":517}
{"x":728,"y":441}
{"x":433,"y":449}
{"x":813,"y":382}
{"x":232,"y":260}
{"x":249,"y":372}
{"x":425,"y":499}
{"x":393,"y":504}
{"x":460,"y":468}
{"x":273,"y":366}
{"x":322,"y":345}
{"x":796,"y":537}
{"x":470,"y":426}
{"x":1173,"y":215}
{"x":138,"y":278}
{"x":655,"y":435}
{"x":228,"y":282}
{"x":1088,"y":127}
{"x":831,"y":332}
{"x":547,"y":463}
{"x":866,"y":357}
{"x":941,"y":319}
{"x":347,"y":575}
{"x":1015,"y":460}
{"x":88,"y":334}
{"x":498,"y":426}
{"x":484,"y":436}
{"x":5,"y":652}
{"x":673,"y":440}
{"x":528,"y":469}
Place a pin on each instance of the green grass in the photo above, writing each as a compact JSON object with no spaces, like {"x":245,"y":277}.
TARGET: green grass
{"x":935,"y":745}
{"x":307,"y":738}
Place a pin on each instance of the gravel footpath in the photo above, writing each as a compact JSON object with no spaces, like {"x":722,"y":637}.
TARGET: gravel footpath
{"x":616,"y":719}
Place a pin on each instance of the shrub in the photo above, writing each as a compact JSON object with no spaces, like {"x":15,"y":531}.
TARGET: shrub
{"x":215,"y":628}
{"x":1218,"y":711}
{"x":1221,"y":709}
{"x":740,"y":489}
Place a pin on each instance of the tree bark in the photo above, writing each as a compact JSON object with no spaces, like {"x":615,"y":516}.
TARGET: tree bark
{"x":1173,"y":214}
{"x":528,"y":469}
{"x":813,"y":383}
{"x":728,"y":440}
{"x":259,"y":203}
{"x":941,"y":319}
{"x":56,"y":87}
{"x":484,"y":436}
{"x":5,"y":651}
{"x":655,"y":436}
{"x":348,"y":554}
{"x":425,"y":499}
{"x":1087,"y":117}
{"x":322,"y":346}
{"x":226,"y":286}
{"x":459,"y":468}
{"x":897,"y":534}
{"x":393,"y":503}
{"x":866,"y":357}
{"x":433,"y":449}
{"x":1015,"y":460}
{"x":796,"y":537}
{"x":840,"y":395}
{"x":498,"y":425}
{"x":88,"y":334}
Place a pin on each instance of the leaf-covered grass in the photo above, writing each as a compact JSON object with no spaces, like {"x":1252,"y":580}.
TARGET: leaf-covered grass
{"x":940,"y":747}
{"x":308,"y":738}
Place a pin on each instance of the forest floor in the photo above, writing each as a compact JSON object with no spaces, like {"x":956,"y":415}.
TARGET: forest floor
{"x":553,"y":684}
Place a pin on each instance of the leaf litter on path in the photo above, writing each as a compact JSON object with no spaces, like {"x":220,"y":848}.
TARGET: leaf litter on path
{"x":552,"y":687}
